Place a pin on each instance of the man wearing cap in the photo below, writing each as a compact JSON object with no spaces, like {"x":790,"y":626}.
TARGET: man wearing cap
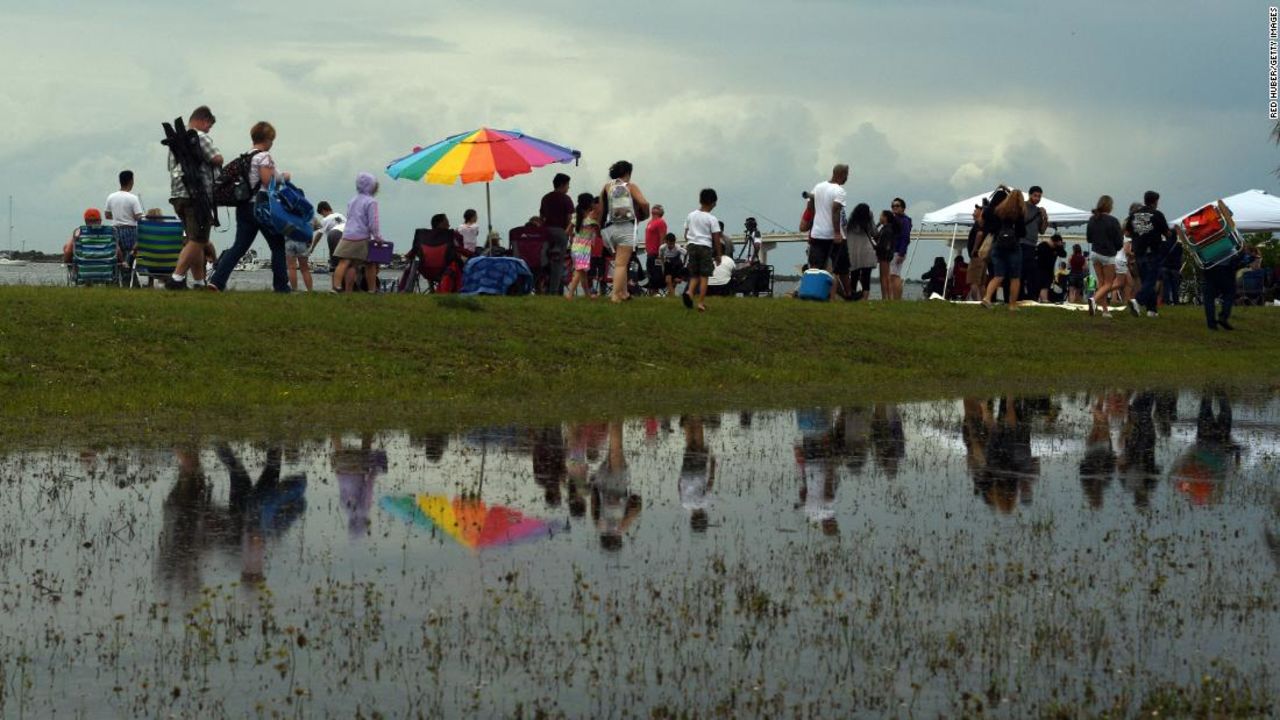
{"x":92,"y":218}
{"x":195,"y":228}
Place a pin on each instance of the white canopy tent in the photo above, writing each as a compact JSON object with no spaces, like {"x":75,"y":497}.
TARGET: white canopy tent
{"x":1252,"y":210}
{"x":961,"y":213}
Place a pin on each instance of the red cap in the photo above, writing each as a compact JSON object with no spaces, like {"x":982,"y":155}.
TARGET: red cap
{"x":92,"y":215}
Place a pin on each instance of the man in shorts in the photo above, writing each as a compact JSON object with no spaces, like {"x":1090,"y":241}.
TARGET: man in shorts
{"x":124,"y":210}
{"x":705,"y":245}
{"x":826,"y":206}
{"x":196,"y":229}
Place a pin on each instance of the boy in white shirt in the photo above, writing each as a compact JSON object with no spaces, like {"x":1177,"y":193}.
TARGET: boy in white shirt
{"x":704,"y":244}
{"x":124,"y":210}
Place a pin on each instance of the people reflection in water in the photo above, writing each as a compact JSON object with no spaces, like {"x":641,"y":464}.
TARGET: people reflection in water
{"x":613,"y":507}
{"x":697,"y":473}
{"x":262,"y":510}
{"x":194,"y":525}
{"x":1137,"y":458}
{"x":998,"y":444}
{"x":819,"y":452}
{"x":433,"y":444}
{"x":357,"y":469}
{"x":853,"y":428}
{"x":1098,"y":466}
{"x":583,"y":447}
{"x":1200,"y":472}
{"x":888,"y":442}
{"x":549,"y":468}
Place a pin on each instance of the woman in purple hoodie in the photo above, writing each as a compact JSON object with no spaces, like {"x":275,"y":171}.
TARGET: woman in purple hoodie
{"x":362,"y":226}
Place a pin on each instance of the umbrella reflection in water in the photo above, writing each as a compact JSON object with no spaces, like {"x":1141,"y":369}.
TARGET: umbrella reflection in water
{"x":468,"y":520}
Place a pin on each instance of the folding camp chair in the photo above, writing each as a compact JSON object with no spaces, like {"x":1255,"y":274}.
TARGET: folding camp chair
{"x":159,"y":244}
{"x":1253,"y":286}
{"x":94,"y":256}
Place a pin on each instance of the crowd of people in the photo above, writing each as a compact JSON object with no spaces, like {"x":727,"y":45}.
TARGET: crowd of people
{"x":616,"y":243}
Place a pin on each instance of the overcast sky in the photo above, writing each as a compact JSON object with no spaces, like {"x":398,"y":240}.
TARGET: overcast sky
{"x":933,"y":100}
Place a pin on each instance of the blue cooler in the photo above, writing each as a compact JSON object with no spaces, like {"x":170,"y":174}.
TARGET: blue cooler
{"x":815,"y":285}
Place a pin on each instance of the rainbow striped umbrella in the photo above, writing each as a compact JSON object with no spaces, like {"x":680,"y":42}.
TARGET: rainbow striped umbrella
{"x":478,"y":156}
{"x":469,"y":521}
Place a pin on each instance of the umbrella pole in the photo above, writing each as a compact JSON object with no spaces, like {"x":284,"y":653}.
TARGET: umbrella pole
{"x":488,"y":212}
{"x":951,"y":254}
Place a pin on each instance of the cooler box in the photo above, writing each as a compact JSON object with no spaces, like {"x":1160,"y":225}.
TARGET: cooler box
{"x":380,"y":252}
{"x":815,"y":285}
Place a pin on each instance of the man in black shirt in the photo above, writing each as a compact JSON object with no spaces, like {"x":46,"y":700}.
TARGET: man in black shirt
{"x":1148,"y":230}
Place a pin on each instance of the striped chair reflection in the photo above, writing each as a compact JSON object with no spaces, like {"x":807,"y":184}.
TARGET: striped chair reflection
{"x":159,"y":243}
{"x":95,"y":256}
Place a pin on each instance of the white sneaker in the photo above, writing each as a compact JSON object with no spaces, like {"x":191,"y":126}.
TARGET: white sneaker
{"x":1152,"y":313}
{"x":1135,"y":309}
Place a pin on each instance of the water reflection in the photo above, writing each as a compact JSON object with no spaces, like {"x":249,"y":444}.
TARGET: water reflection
{"x":357,"y":469}
{"x":697,"y":473}
{"x":196,"y":525}
{"x":614,"y":508}
{"x":998,"y":443}
{"x":1203,"y":468}
{"x":911,"y":522}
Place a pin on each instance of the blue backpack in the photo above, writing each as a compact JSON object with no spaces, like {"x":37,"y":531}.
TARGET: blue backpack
{"x":285,"y":209}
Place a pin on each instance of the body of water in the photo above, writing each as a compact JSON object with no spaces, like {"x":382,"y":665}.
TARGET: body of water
{"x":1007,"y":556}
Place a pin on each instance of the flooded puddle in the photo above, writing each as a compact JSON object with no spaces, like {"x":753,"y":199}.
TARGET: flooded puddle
{"x":1011,"y":556}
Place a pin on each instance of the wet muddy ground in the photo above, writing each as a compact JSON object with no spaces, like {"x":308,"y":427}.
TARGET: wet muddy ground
{"x":1114,"y":552}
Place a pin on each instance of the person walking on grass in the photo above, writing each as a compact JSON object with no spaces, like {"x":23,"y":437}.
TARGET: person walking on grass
{"x":624,"y":208}
{"x":585,"y":236}
{"x":124,"y":210}
{"x":262,"y":168}
{"x":195,"y":229}
{"x":1148,"y":229}
{"x":362,"y":226}
{"x":557,"y":213}
{"x":826,"y":229}
{"x":1006,"y":248}
{"x":1105,"y":241}
{"x":705,"y":244}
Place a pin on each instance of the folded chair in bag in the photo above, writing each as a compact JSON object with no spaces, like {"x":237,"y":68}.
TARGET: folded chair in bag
{"x":496,"y":276}
{"x":95,"y":256}
{"x":159,"y":244}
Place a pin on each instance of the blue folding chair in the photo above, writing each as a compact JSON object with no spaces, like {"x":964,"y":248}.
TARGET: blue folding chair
{"x":94,"y":256}
{"x":159,"y":244}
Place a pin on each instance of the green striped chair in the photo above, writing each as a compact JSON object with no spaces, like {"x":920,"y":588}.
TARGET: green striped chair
{"x":159,"y":243}
{"x":95,"y":256}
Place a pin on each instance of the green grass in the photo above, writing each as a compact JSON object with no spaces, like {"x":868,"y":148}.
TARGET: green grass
{"x":138,"y":365}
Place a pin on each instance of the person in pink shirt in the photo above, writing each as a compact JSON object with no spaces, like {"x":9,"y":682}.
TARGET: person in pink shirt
{"x":654,"y":233}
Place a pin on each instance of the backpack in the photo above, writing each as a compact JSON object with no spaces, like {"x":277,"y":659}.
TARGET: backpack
{"x":285,"y":209}
{"x":1006,"y":239}
{"x":232,"y":186}
{"x":622,"y":208}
